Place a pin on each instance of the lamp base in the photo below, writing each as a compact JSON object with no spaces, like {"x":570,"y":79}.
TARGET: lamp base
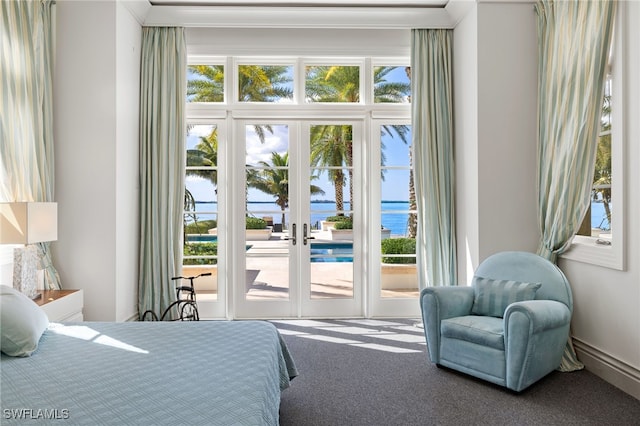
{"x":25,"y":264}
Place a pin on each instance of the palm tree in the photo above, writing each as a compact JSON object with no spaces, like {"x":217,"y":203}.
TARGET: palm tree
{"x":205,"y":154}
{"x":412,"y":221}
{"x":602,"y":175}
{"x":333,"y":84}
{"x":207,"y":84}
{"x":263,"y":83}
{"x":273,"y":179}
{"x":189,"y":206}
{"x":257,"y":83}
{"x":332,"y":146}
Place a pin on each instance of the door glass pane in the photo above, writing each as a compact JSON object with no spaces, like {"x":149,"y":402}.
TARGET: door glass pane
{"x":267,"y":212}
{"x":331,"y":209}
{"x":398,"y":273}
{"x":392,"y":84}
{"x":265,"y":83}
{"x":201,"y":210}
{"x":205,"y":83}
{"x":324,"y":83}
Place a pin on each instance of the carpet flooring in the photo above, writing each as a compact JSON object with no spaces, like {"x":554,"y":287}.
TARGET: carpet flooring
{"x":377,"y":372}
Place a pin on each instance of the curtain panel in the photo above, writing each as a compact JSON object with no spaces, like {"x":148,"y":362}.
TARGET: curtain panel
{"x":26,"y":110}
{"x":432,"y":139}
{"x":162,"y":164}
{"x":573,"y":45}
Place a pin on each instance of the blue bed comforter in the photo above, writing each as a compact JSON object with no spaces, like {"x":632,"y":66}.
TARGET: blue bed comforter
{"x":150,"y":373}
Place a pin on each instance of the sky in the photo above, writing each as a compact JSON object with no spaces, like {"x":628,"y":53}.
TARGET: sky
{"x":394,"y":187}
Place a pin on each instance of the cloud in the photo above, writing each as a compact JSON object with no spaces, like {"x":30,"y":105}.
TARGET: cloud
{"x":276,"y":142}
{"x":196,"y":132}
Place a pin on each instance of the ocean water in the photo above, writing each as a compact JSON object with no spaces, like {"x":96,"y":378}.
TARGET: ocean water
{"x":394,"y":213}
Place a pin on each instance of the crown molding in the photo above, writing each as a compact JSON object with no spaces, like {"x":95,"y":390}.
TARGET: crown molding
{"x":138,"y":8}
{"x":308,"y":16}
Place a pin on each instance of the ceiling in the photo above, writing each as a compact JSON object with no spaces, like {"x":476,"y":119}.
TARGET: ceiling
{"x":305,"y":3}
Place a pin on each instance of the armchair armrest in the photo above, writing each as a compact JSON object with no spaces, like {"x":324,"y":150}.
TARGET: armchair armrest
{"x":438,"y":303}
{"x":535,"y":335}
{"x":541,"y":314}
{"x":447,"y":302}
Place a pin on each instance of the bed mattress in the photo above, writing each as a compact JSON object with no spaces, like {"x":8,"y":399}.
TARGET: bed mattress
{"x":151,"y":373}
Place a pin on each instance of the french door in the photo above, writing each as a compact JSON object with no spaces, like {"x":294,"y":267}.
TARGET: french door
{"x":296,"y":224}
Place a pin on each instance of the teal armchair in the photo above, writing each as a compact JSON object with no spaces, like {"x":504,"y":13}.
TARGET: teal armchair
{"x":510,"y":327}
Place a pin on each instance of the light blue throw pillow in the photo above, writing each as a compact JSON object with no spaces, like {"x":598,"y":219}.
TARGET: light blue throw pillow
{"x":22,"y":323}
{"x":491,"y":297}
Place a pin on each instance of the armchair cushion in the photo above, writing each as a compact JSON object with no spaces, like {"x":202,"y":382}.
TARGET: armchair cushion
{"x":485,"y":331}
{"x":491,"y":297}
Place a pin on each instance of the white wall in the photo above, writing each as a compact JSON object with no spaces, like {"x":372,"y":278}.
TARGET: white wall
{"x":311,"y":41}
{"x":507,"y":111}
{"x":606,"y":319}
{"x":96,"y":95}
{"x":465,"y":104}
{"x":128,"y":49}
{"x":495,"y":83}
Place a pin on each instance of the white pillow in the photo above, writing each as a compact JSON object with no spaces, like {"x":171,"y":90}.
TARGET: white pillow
{"x":22,"y":323}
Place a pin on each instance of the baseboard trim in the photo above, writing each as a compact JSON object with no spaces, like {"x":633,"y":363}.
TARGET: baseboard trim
{"x":603,"y":365}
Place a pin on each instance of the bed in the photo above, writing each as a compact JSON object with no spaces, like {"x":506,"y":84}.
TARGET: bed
{"x":206,"y":372}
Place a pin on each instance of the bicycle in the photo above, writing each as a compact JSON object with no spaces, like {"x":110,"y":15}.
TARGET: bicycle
{"x":185,"y":305}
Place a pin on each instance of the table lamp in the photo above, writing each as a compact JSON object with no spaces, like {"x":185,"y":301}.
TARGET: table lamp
{"x":27,"y":223}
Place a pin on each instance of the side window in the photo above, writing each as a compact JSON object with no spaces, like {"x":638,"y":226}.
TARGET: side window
{"x":597,"y":222}
{"x":200,"y":253}
{"x":600,"y":240}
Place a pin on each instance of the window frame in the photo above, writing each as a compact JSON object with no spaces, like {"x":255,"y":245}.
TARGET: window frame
{"x":585,"y":248}
{"x":232,"y":111}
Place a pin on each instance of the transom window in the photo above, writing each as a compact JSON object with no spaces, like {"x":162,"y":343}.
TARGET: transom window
{"x":276,"y":83}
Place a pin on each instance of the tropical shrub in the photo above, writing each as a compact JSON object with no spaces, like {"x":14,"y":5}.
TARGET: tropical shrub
{"x":200,"y":249}
{"x":200,"y":227}
{"x":337,"y":218}
{"x":255,"y":223}
{"x":344,"y":224}
{"x":398,"y":246}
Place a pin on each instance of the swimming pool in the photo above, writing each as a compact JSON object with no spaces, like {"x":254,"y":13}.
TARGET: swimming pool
{"x":331,"y":252}
{"x":199,"y":238}
{"x":320,"y":252}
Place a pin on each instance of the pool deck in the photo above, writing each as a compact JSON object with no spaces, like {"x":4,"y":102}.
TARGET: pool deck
{"x":268,"y":273}
{"x":272,"y":281}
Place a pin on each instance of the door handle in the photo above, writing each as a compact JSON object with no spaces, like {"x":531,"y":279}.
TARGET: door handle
{"x":293,"y":235}
{"x":305,"y":237}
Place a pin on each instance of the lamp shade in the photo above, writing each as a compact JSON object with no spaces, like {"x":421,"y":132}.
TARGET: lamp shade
{"x":28,"y":223}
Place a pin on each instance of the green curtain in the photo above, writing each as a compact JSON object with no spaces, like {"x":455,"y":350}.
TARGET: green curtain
{"x":432,"y":139}
{"x":162,"y":164}
{"x":573,"y":46}
{"x":26,"y":108}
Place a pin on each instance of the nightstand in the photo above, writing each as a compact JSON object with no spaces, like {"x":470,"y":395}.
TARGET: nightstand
{"x":62,"y":305}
